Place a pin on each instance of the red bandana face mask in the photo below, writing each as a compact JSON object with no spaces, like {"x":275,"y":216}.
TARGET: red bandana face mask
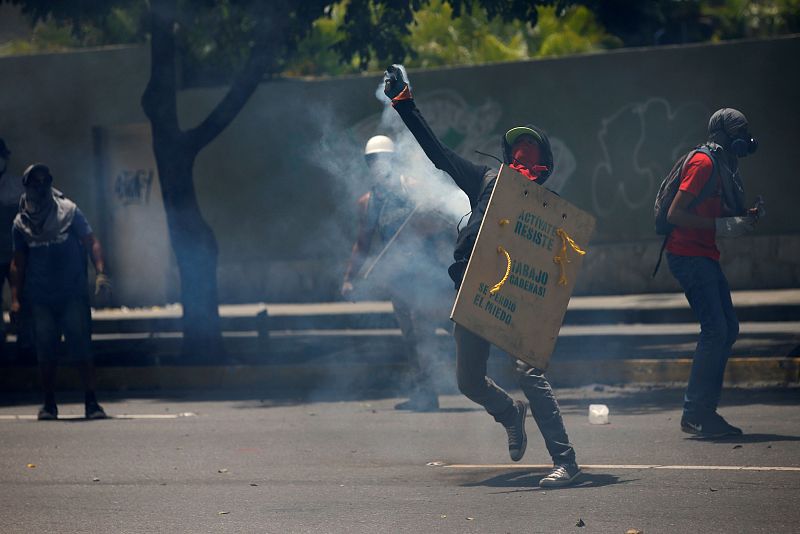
{"x":526,"y":155}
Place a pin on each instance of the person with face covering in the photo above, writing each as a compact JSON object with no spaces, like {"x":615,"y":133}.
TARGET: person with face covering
{"x":527,"y":150}
{"x":51,"y":238}
{"x":10,"y":192}
{"x":693,"y":259}
{"x":381,"y":213}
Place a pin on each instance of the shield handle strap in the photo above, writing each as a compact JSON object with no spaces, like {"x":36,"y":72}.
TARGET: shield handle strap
{"x":498,"y":285}
{"x":561,"y":257}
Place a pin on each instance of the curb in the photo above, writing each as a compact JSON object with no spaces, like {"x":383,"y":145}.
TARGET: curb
{"x":741,"y":372}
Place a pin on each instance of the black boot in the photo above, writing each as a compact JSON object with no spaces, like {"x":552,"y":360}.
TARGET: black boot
{"x":92,"y":409}
{"x":514,"y":423}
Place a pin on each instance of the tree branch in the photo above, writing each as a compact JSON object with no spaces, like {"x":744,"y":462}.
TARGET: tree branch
{"x":261,"y":61}
{"x":159,"y":100}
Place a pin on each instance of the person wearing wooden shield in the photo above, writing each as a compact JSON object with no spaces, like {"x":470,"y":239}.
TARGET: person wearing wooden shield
{"x":527,"y":150}
{"x":383,"y":212}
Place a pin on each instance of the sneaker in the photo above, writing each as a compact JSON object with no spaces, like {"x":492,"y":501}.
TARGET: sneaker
{"x":94,"y":411}
{"x":48,"y":412}
{"x":423,"y":402}
{"x":709,"y":426}
{"x":561,"y":475}
{"x":517,"y":439}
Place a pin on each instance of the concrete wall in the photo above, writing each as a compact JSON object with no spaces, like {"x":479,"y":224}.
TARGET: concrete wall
{"x":279,"y":185}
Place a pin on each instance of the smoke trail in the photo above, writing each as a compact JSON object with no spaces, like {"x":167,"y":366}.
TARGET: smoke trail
{"x":415,"y":266}
{"x":433,"y":190}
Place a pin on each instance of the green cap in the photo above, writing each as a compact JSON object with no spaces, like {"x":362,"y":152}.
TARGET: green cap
{"x":514,"y":133}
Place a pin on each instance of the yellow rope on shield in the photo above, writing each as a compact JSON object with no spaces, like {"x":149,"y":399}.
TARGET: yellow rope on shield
{"x":499,"y":284}
{"x":561,"y":257}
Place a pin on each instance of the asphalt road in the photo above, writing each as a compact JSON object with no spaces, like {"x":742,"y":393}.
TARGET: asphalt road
{"x":241,"y":464}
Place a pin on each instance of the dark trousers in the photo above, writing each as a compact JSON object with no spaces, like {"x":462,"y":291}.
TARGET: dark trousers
{"x":73,"y":319}
{"x":709,"y":295}
{"x":472,"y":353}
{"x":422,"y":348}
{"x":22,"y":326}
{"x":4,"y":270}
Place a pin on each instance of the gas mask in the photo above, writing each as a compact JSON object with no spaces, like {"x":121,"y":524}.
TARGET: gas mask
{"x":744,"y":145}
{"x":728,"y":127}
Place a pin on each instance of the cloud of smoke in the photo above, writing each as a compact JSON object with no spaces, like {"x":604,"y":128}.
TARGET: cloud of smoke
{"x":433,"y":190}
{"x":409,"y":267}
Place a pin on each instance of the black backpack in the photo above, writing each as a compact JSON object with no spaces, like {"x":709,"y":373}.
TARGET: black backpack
{"x":669,"y":189}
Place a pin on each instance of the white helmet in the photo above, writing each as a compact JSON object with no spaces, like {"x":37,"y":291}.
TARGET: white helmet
{"x":378,"y":144}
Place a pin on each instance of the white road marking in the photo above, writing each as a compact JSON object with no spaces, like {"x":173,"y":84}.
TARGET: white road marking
{"x":27,"y":417}
{"x":623,"y":466}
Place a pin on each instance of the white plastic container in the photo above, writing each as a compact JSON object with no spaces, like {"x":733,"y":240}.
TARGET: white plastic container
{"x":598,"y":414}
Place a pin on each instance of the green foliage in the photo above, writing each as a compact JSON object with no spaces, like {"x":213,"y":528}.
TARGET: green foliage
{"x":437,"y":36}
{"x":215,"y":37}
{"x":736,"y":19}
{"x":57,"y":32}
{"x":575,"y":31}
{"x":46,"y":37}
{"x":316,"y":54}
{"x":437,"y":39}
{"x":374,"y":29}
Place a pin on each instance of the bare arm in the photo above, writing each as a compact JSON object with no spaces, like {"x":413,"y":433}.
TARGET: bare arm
{"x":92,"y":244}
{"x":361,"y":247}
{"x":16,"y":275}
{"x":679,"y":213}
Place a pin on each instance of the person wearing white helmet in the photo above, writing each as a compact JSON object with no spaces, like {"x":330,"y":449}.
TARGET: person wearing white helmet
{"x":381,"y":214}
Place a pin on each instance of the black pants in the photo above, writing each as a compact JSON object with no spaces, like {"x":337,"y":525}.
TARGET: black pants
{"x":472,"y":353}
{"x":422,"y":348}
{"x":23,"y":325}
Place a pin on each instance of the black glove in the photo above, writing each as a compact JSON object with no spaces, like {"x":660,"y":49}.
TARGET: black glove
{"x":395,"y":83}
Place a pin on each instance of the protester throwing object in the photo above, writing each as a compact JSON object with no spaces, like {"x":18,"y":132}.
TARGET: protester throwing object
{"x":527,"y":150}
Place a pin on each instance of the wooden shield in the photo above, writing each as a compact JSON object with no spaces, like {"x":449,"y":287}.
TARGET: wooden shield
{"x":515,"y":293}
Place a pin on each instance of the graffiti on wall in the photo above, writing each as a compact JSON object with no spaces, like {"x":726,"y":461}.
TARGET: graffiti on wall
{"x":639,"y":143}
{"x":133,"y":187}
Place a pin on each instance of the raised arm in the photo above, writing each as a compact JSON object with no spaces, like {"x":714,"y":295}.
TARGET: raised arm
{"x":467,"y":175}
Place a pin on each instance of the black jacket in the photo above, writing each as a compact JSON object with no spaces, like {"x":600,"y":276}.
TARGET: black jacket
{"x":477,"y":181}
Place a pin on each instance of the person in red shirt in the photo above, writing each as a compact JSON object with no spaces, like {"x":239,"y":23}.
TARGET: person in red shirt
{"x":693,"y":259}
{"x":692,"y":241}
